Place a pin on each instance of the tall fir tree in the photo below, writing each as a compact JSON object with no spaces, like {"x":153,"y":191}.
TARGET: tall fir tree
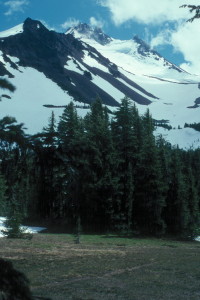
{"x":149,"y":194}
{"x":99,"y":190}
{"x":50,"y":132}
{"x":3,"y":197}
{"x":68,"y":126}
{"x":193,"y":225}
{"x":71,"y":151}
{"x":126,"y":143}
{"x":177,"y":211}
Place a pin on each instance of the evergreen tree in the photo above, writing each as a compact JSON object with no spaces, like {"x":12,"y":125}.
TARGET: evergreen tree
{"x":3,"y":197}
{"x":126,"y":144}
{"x":177,"y":211}
{"x":50,"y":132}
{"x":192,"y":196}
{"x":67,"y":127}
{"x":99,"y":189}
{"x":93,"y":173}
{"x":150,"y":191}
{"x":14,"y":218}
{"x":12,"y":135}
{"x":71,"y":139}
{"x":193,"y":228}
{"x":195,"y":166}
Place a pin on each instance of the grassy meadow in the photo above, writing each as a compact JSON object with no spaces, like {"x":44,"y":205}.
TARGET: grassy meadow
{"x":105,"y":267}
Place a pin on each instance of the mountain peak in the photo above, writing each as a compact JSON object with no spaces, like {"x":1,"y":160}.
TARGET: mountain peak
{"x":143,"y":44}
{"x":33,"y":25}
{"x":143,"y":48}
{"x":83,"y":30}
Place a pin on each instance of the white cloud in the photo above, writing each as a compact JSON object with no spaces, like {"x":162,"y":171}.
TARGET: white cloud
{"x":96,"y":23}
{"x":15,"y":6}
{"x":71,"y":22}
{"x":162,"y":38}
{"x":147,"y":35}
{"x":146,"y":11}
{"x":186,"y":40}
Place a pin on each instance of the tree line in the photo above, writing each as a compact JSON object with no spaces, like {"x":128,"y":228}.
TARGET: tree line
{"x":105,"y":172}
{"x":195,"y":126}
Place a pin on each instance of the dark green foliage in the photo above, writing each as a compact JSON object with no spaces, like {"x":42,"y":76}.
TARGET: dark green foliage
{"x":11,"y":133}
{"x":50,"y":132}
{"x":3,"y":197}
{"x":126,"y":143}
{"x":150,"y":191}
{"x":182,"y":211}
{"x":14,"y":213}
{"x":195,"y":126}
{"x":97,"y":174}
{"x":193,"y":206}
{"x":72,"y":154}
{"x":6,"y":85}
{"x":176,"y":198}
{"x":12,"y":225}
{"x":68,"y":126}
{"x":192,"y":195}
{"x":99,"y":184}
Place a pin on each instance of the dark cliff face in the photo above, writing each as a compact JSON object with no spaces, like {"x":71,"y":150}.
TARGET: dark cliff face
{"x":39,"y":47}
{"x":48,"y":52}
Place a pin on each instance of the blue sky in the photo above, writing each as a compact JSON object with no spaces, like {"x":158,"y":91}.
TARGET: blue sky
{"x":160,"y":23}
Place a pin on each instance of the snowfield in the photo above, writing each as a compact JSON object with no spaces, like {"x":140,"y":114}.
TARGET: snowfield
{"x":15,"y":30}
{"x":185,"y":138}
{"x":33,"y":91}
{"x":26,"y":229}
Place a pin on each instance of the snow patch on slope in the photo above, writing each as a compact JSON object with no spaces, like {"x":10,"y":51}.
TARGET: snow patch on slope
{"x":125,"y":54}
{"x":173,"y":102}
{"x":93,"y":62}
{"x":26,"y":229}
{"x":109,"y":88}
{"x":97,"y":80}
{"x":72,"y":66}
{"x":185,"y":138}
{"x":13,"y":31}
{"x":33,"y":91}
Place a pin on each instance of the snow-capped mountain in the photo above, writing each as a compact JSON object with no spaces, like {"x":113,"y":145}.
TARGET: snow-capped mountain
{"x":51,"y":69}
{"x":119,"y":51}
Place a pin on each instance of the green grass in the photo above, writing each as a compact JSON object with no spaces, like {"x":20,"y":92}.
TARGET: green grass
{"x":107,"y":267}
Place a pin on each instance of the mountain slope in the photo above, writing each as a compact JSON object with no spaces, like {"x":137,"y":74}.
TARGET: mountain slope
{"x":51,"y":69}
{"x":135,"y":54}
{"x":61,"y":58}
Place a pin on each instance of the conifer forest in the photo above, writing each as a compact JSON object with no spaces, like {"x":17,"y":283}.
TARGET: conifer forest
{"x":106,"y":171}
